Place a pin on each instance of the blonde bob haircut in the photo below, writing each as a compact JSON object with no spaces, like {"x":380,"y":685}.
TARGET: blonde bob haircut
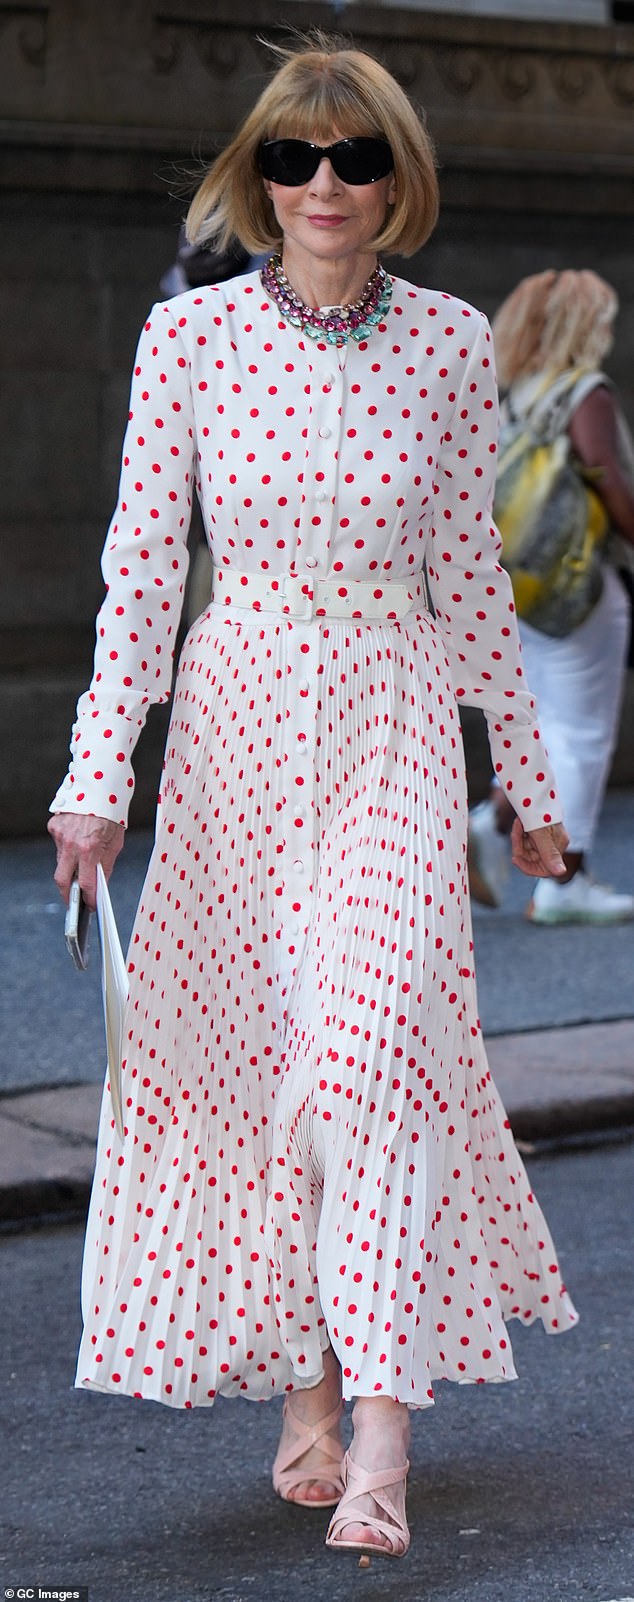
{"x":322,"y":89}
{"x":553,"y":321}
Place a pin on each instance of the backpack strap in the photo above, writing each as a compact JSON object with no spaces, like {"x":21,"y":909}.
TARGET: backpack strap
{"x":551,"y":409}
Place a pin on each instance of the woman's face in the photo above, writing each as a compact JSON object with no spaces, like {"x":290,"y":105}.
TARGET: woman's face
{"x":327,"y":218}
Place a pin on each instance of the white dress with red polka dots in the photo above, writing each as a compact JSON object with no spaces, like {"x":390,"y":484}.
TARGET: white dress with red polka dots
{"x":314,"y":1148}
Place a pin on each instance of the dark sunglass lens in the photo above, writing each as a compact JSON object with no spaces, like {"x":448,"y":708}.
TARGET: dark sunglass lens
{"x":288,"y":161}
{"x":295,"y":161}
{"x":362,"y":161}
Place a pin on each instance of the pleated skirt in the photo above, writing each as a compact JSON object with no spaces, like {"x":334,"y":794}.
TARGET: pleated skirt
{"x":314,"y":1151}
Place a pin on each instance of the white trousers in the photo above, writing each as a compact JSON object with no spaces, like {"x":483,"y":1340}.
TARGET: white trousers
{"x":578,"y":684}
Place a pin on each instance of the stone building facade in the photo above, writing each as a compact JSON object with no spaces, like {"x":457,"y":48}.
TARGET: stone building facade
{"x":526,"y":10}
{"x":103,"y":109}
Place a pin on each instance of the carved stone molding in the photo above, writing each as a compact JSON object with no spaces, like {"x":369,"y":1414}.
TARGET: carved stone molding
{"x":572,"y":77}
{"x":460,"y":70}
{"x":405,"y":60}
{"x":516,"y":74}
{"x":468,"y":63}
{"x":619,"y":76}
{"x":26,"y":28}
{"x":221,"y":52}
{"x":165,"y":46}
{"x":497,"y":93}
{"x":219,"y":49}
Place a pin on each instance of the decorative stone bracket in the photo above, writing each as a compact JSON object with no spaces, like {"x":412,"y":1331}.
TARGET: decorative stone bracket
{"x":141,"y":76}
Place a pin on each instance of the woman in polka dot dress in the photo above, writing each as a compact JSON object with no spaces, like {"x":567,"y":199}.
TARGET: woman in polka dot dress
{"x":317,"y":1194}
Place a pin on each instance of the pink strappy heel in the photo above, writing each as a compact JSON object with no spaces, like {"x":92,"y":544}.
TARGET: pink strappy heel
{"x":382,"y":1485}
{"x":288,"y":1472}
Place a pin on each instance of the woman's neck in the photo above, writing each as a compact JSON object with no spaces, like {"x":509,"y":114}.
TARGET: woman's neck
{"x":328,"y":283}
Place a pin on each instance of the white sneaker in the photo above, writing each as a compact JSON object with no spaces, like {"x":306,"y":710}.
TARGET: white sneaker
{"x":488,"y":856}
{"x":581,"y":900}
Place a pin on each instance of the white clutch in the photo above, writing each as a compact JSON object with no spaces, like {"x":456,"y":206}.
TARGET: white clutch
{"x":114,"y":989}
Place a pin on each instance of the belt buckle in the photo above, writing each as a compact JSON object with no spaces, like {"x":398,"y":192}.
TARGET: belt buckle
{"x":295,"y":602}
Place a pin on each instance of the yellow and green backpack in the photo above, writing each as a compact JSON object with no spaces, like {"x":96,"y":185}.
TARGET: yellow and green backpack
{"x":552,"y":521}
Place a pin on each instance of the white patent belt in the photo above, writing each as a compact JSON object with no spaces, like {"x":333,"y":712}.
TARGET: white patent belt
{"x":299,"y":595}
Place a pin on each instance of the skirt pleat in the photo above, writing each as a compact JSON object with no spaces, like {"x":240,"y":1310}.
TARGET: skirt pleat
{"x":314,"y":1147}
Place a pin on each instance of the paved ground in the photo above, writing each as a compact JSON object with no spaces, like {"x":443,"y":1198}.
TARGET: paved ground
{"x":555,"y":1084}
{"x":518,"y":1493}
{"x":557,"y":1007}
{"x":518,"y":1496}
{"x":532,"y":978}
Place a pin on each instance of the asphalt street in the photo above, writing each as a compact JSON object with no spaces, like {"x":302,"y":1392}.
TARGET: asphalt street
{"x":519,"y":1493}
{"x":51,"y":1028}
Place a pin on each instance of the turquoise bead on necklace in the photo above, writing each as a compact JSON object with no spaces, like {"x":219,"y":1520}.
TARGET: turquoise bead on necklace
{"x":336,"y":324}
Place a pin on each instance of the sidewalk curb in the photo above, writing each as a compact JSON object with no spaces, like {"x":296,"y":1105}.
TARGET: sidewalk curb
{"x":563,"y":1120}
{"x":556,"y":1084}
{"x":45,"y":1199}
{"x":47,"y":1147}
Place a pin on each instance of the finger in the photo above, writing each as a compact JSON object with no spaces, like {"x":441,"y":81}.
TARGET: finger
{"x":87,"y":877}
{"x":549,"y":851}
{"x":65,"y":871}
{"x":553,"y":863}
{"x":74,"y":861}
{"x":523,"y":853}
{"x":525,"y":858}
{"x":536,"y":852}
{"x":82,"y":843}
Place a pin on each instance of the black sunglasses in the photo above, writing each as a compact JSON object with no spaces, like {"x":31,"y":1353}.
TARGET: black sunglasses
{"x":295,"y":161}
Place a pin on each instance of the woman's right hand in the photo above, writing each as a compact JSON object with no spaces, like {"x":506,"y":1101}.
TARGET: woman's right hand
{"x":82,"y":841}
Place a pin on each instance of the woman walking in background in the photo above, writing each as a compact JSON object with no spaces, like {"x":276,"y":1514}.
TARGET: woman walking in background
{"x":318,"y":1195}
{"x":551,"y":326}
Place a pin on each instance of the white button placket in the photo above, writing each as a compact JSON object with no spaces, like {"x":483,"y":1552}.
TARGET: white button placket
{"x":320,"y":469}
{"x":304,"y":655}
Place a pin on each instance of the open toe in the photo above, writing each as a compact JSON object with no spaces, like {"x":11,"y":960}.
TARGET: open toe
{"x":387,"y":1489}
{"x":292,"y":1475}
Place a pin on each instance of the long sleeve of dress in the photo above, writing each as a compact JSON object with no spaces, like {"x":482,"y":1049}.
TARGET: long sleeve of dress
{"x":144,"y":565}
{"x":473,"y":597}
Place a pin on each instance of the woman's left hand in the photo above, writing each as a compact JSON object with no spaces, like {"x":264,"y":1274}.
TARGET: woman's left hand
{"x":539,"y":852}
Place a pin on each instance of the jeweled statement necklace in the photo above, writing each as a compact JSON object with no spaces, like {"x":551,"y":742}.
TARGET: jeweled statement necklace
{"x":336,"y":324}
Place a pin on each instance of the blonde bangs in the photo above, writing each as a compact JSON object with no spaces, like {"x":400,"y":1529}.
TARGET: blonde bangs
{"x":326,"y":110}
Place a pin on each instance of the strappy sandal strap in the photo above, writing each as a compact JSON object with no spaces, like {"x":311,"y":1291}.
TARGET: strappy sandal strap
{"x":288,"y":1471}
{"x":307,"y":1435}
{"x":377,"y":1484}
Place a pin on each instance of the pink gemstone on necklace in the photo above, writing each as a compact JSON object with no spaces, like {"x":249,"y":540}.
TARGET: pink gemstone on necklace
{"x":338,"y":322}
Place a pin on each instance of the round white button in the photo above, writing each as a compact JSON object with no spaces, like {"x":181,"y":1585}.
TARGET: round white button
{"x":294,"y":930}
{"x":322,"y":495}
{"x":299,"y":812}
{"x":298,"y":865}
{"x":324,"y":433}
{"x":303,"y":686}
{"x":311,"y":561}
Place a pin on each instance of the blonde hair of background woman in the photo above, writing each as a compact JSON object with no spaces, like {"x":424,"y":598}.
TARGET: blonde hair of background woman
{"x":553,"y":321}
{"x":321,"y":89}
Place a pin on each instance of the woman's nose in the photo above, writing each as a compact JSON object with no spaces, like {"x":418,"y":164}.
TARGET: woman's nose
{"x":325,"y":180}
